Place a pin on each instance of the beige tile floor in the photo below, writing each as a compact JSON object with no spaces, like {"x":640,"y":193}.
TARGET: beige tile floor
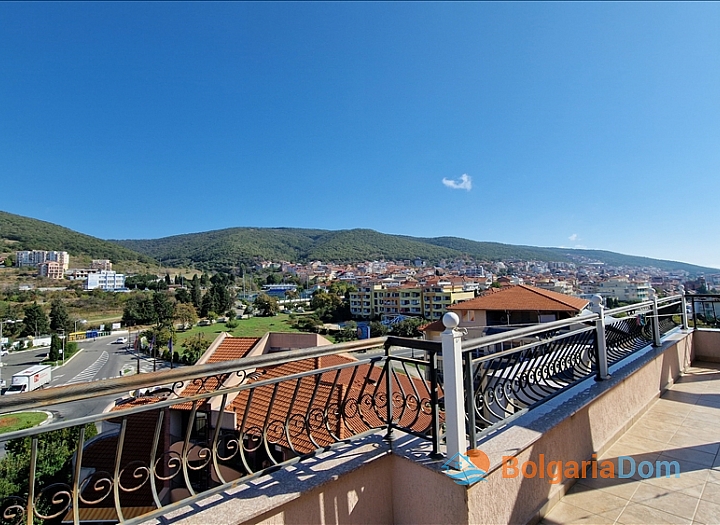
{"x":682,"y":426}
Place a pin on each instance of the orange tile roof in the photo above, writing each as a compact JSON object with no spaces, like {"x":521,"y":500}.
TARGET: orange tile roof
{"x":233,"y":348}
{"x":522,"y":297}
{"x":230,"y":348}
{"x":302,"y":403}
{"x":435,"y":326}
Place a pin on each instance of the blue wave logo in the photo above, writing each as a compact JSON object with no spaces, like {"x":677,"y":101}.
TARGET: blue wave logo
{"x":462,"y":471}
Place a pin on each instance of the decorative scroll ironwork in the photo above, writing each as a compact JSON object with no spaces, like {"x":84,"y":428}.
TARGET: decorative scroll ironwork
{"x":197,"y":435}
{"x":214,"y":430}
{"x":515,"y":373}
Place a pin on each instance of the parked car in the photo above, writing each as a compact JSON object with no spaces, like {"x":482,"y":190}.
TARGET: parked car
{"x":4,"y":352}
{"x":120,"y":341}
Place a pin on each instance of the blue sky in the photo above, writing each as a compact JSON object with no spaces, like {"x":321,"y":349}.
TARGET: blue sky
{"x":548,"y":124}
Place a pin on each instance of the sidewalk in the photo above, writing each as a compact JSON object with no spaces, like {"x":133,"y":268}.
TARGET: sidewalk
{"x":682,"y":426}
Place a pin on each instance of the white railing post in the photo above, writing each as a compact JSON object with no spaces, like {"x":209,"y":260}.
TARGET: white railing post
{"x":453,"y":388}
{"x":656,"y":318}
{"x":685,"y":324}
{"x":602,"y":363}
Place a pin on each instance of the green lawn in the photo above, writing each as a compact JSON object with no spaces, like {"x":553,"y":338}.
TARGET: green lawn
{"x":253,"y":327}
{"x":20,"y":421}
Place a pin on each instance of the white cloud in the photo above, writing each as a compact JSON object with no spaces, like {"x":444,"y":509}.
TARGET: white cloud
{"x":465,"y":183}
{"x":573,"y":237}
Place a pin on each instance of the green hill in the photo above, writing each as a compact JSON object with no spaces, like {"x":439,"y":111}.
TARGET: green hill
{"x":232,"y":247}
{"x":23,"y":233}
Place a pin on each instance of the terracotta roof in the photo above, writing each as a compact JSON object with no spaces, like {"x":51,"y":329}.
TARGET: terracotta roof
{"x":522,"y":297}
{"x":233,"y":348}
{"x":303,"y":402}
{"x":435,"y":326}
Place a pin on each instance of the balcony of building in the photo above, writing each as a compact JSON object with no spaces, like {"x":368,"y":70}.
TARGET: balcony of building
{"x":529,"y":425}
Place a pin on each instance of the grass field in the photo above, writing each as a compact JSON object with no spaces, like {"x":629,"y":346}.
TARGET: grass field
{"x":253,"y":327}
{"x":20,"y":421}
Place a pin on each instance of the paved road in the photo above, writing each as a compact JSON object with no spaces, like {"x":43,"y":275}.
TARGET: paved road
{"x":97,"y":360}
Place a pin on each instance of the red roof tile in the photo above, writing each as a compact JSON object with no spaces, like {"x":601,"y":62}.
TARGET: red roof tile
{"x":522,"y":297}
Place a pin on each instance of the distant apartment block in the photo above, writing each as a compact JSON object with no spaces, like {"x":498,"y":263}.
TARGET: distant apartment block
{"x":105,"y":280}
{"x":51,"y":270}
{"x":393,"y":298}
{"x":35,"y":258}
{"x":623,"y":289}
{"x":101,"y":264}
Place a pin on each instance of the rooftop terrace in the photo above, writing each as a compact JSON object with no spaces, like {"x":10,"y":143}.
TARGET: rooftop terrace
{"x":378,"y":431}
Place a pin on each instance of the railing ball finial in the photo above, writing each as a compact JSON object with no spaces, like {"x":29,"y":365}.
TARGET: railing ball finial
{"x":652,"y":293}
{"x":681,"y":289}
{"x":596,"y":301}
{"x":451,"y":320}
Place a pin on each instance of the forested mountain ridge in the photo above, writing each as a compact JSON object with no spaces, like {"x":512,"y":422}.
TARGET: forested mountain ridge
{"x":23,"y":233}
{"x":235,"y":246}
{"x":232,"y":248}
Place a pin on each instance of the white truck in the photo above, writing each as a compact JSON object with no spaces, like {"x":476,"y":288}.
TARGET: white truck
{"x":30,"y":379}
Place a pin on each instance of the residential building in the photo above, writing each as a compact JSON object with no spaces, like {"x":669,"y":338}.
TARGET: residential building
{"x":51,"y":270}
{"x":510,"y":307}
{"x":101,"y":264}
{"x":623,"y":289}
{"x":105,"y":280}
{"x":37,"y":257}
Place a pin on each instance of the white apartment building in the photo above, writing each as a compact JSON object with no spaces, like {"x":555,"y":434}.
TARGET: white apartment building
{"x":37,"y":257}
{"x":105,"y":280}
{"x":623,"y":289}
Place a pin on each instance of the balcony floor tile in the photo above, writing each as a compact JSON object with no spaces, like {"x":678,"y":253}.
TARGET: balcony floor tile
{"x":682,"y":426}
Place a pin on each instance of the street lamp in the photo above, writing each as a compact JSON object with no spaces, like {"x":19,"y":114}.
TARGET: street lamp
{"x":62,"y":336}
{"x":81,"y":321}
{"x":2,"y":322}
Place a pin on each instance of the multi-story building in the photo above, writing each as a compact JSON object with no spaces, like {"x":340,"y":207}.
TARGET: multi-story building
{"x":101,"y":264}
{"x":51,"y":270}
{"x":37,"y":257}
{"x":623,"y":289}
{"x":105,"y":280}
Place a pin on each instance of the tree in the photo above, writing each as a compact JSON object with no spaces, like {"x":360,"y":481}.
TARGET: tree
{"x":377,"y":329}
{"x":59,"y":318}
{"x":204,"y":280}
{"x":348,"y":333}
{"x":139,"y":309}
{"x":55,"y":348}
{"x":266,"y":305}
{"x":274,"y":278}
{"x":35,"y":321}
{"x":196,"y":292}
{"x":185,"y":313}
{"x":183,"y":296}
{"x":167,"y":279}
{"x":164,"y":308}
{"x":408,"y":327}
{"x":308,"y":323}
{"x":193,"y":348}
{"x":54,"y":451}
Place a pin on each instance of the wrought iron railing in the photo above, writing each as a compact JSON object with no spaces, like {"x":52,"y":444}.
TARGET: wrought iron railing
{"x":704,"y":310}
{"x":506,"y":374}
{"x":195,"y":431}
{"x":200,"y":430}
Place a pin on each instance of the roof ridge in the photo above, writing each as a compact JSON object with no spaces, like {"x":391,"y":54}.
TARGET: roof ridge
{"x":558,"y":297}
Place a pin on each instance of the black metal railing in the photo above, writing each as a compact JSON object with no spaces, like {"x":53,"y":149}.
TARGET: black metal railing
{"x":704,"y":310}
{"x":507,"y":374}
{"x":195,"y":431}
